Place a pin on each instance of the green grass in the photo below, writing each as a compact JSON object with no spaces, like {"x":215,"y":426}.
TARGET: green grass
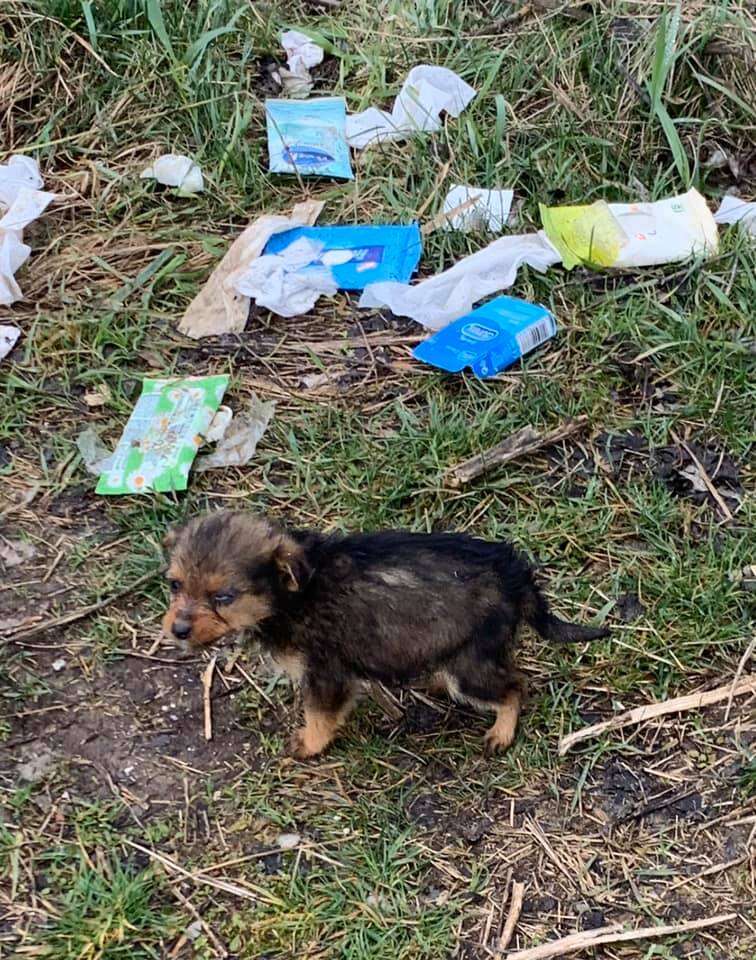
{"x":95,"y":91}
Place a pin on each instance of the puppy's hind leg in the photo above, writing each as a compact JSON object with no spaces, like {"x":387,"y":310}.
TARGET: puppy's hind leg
{"x":501,"y":735}
{"x":328,"y":700}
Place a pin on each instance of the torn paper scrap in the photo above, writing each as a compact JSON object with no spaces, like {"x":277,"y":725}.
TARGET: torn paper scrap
{"x":361,"y":254}
{"x":308,"y":137}
{"x":160,"y":441}
{"x":18,"y":173}
{"x":279,"y":282}
{"x":632,"y":234}
{"x":427,"y":92}
{"x":301,"y":55}
{"x":238,"y":445}
{"x":734,"y":210}
{"x":490,"y":338}
{"x":439,"y":300}
{"x":218,"y":308}
{"x":176,"y":170}
{"x":94,"y":454}
{"x":8,"y":338}
{"x":469,"y":208}
{"x":217,"y":429}
{"x":28,"y":205}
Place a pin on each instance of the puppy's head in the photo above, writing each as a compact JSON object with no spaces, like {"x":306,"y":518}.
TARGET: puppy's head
{"x":228,"y":572}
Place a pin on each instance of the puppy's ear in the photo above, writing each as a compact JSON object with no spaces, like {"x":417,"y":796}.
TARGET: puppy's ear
{"x":170,"y":539}
{"x":291,"y":562}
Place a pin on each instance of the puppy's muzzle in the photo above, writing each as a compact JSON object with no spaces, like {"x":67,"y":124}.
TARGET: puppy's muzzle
{"x":181,"y":629}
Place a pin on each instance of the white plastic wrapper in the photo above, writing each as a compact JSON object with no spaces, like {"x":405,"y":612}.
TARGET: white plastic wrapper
{"x":280,"y":282}
{"x":437,"y":301}
{"x":301,"y":53}
{"x":8,"y":338}
{"x":27,"y":206}
{"x":239,"y":441}
{"x":735,"y":210}
{"x":426,"y":93}
{"x":481,"y":209}
{"x":176,"y":170}
{"x":18,"y":173}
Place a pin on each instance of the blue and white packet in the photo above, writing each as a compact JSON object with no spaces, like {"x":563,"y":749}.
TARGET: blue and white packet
{"x":308,"y":137}
{"x":490,"y":338}
{"x":359,"y":255}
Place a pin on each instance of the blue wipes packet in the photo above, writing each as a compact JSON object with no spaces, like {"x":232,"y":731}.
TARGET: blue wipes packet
{"x":490,"y":338}
{"x":357,"y":256}
{"x":308,"y":137}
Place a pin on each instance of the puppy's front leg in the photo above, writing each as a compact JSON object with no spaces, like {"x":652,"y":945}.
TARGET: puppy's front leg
{"x":328,"y":701}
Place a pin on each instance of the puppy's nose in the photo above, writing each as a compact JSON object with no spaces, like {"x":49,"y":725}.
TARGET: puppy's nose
{"x":180,"y":630}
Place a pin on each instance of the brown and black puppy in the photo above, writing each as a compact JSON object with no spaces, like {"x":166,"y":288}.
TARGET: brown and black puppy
{"x":338,"y":610}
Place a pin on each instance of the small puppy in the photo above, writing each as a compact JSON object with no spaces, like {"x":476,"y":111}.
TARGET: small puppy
{"x":337,"y":610}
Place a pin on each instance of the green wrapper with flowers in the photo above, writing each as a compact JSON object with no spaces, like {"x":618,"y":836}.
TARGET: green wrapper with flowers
{"x":166,"y":428}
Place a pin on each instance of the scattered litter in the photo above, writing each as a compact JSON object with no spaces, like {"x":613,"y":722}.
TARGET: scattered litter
{"x":97,"y":397}
{"x":358,"y":255}
{"x":221,"y":420}
{"x":524,"y":441}
{"x":632,"y":234}
{"x":308,"y":137}
{"x":160,"y":441}
{"x":176,"y":170}
{"x":94,"y":454}
{"x":193,"y":931}
{"x":734,"y":210}
{"x":469,"y":208}
{"x":239,"y":442}
{"x":437,"y":301}
{"x":15,"y":552}
{"x":59,"y":664}
{"x":17,"y":174}
{"x":301,"y":55}
{"x":8,"y":339}
{"x":426,"y":93}
{"x":287,"y":841}
{"x":279,"y":282}
{"x":26,"y":207}
{"x":490,"y":338}
{"x":218,"y":308}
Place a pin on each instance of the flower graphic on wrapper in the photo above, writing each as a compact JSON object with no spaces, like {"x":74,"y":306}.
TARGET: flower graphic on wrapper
{"x":143,"y":477}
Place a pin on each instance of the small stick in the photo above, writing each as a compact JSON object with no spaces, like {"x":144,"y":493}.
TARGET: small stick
{"x":586,"y":939}
{"x":223,"y":885}
{"x":441,"y":218}
{"x":68,"y":618}
{"x":216,"y":942}
{"x":207,"y":683}
{"x":726,"y":513}
{"x":517,"y":445}
{"x":691,"y":701}
{"x":515,"y":907}
{"x":386,"y":702}
{"x":741,"y":667}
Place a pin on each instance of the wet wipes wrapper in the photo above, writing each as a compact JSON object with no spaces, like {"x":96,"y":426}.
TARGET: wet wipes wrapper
{"x":490,"y":338}
{"x":160,"y":441}
{"x":357,"y":256}
{"x":308,"y":137}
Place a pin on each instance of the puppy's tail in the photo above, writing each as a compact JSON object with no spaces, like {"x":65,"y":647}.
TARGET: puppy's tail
{"x":550,"y":627}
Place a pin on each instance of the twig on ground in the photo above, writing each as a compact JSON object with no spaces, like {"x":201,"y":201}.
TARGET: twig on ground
{"x":207,"y":684}
{"x":741,"y":667}
{"x":517,"y":445}
{"x":386,"y":702}
{"x":224,"y":885}
{"x":691,"y":701}
{"x":587,"y":939}
{"x":220,"y":948}
{"x":515,"y":907}
{"x":724,"y":509}
{"x":63,"y":621}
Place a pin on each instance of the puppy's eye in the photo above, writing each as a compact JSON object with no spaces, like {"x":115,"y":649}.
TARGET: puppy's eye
{"x":174,"y":585}
{"x":224,"y":598}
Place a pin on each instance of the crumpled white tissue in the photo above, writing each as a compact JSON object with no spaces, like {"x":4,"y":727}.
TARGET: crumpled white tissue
{"x":239,"y":441}
{"x":176,"y":170}
{"x":8,"y":337}
{"x":17,"y":173}
{"x":426,"y":92}
{"x":734,"y":210}
{"x":301,"y":54}
{"x":27,"y":206}
{"x":482,"y":210}
{"x":449,"y":295}
{"x":279,"y":282}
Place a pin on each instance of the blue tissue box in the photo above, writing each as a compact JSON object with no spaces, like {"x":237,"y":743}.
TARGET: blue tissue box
{"x":490,"y":338}
{"x":359,"y":255}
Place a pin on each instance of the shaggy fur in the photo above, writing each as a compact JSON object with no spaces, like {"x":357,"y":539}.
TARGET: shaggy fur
{"x":337,"y":610}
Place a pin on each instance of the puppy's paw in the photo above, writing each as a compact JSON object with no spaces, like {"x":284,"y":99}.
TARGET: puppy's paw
{"x":497,"y":740}
{"x":301,"y":746}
